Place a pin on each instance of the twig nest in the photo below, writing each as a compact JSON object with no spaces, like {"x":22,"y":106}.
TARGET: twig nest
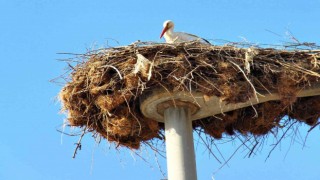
{"x":103,"y":91}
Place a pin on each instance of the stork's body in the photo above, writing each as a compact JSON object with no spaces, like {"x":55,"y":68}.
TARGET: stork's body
{"x":176,"y":37}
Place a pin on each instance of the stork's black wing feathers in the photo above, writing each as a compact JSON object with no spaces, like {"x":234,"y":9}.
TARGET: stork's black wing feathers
{"x":198,"y":37}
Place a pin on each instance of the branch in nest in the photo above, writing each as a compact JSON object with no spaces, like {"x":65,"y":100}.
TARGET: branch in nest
{"x":78,"y":144}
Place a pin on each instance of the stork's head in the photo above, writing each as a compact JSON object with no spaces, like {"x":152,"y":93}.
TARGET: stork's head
{"x":166,"y":26}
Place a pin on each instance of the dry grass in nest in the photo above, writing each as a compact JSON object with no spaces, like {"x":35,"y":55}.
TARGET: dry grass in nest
{"x":103,"y":92}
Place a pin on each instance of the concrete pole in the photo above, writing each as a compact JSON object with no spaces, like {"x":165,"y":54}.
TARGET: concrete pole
{"x":178,"y":109}
{"x":181,"y":163}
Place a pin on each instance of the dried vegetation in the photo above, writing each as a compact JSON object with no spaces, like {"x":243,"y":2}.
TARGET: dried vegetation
{"x":103,"y":91}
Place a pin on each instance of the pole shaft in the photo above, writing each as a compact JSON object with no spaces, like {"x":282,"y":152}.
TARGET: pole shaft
{"x":181,"y":163}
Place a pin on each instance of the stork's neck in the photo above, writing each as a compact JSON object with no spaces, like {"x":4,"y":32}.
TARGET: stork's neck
{"x":170,"y":36}
{"x":169,"y":32}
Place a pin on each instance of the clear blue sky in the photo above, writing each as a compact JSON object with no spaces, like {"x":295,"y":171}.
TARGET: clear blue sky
{"x":33,"y":32}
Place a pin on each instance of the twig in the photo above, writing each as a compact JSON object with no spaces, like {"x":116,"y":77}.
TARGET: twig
{"x":114,"y":69}
{"x":79,"y":144}
{"x":305,"y":140}
{"x":275,"y":145}
{"x":230,"y":157}
{"x":68,"y":134}
{"x":245,"y":76}
{"x":209,"y":148}
{"x":313,"y":127}
{"x":252,"y":149}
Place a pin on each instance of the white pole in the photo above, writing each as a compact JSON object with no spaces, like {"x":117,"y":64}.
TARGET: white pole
{"x":181,"y":163}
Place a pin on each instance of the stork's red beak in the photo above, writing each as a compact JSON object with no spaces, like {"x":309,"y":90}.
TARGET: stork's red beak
{"x":164,"y":31}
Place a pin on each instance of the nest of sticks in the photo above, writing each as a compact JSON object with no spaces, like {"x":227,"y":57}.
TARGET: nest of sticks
{"x":102,"y":93}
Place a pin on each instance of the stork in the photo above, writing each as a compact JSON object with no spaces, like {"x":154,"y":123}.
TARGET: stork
{"x":176,"y":37}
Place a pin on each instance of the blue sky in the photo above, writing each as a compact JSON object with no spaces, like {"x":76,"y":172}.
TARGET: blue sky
{"x":33,"y":32}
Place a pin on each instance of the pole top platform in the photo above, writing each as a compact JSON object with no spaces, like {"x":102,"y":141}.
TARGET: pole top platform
{"x":153,"y":104}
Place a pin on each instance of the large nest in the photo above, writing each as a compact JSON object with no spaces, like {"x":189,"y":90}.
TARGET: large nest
{"x":103,"y":92}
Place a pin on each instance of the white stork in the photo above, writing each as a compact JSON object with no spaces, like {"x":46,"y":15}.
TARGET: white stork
{"x":176,"y":37}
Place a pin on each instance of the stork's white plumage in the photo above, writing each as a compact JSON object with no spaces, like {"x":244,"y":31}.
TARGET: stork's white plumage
{"x":176,"y":37}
